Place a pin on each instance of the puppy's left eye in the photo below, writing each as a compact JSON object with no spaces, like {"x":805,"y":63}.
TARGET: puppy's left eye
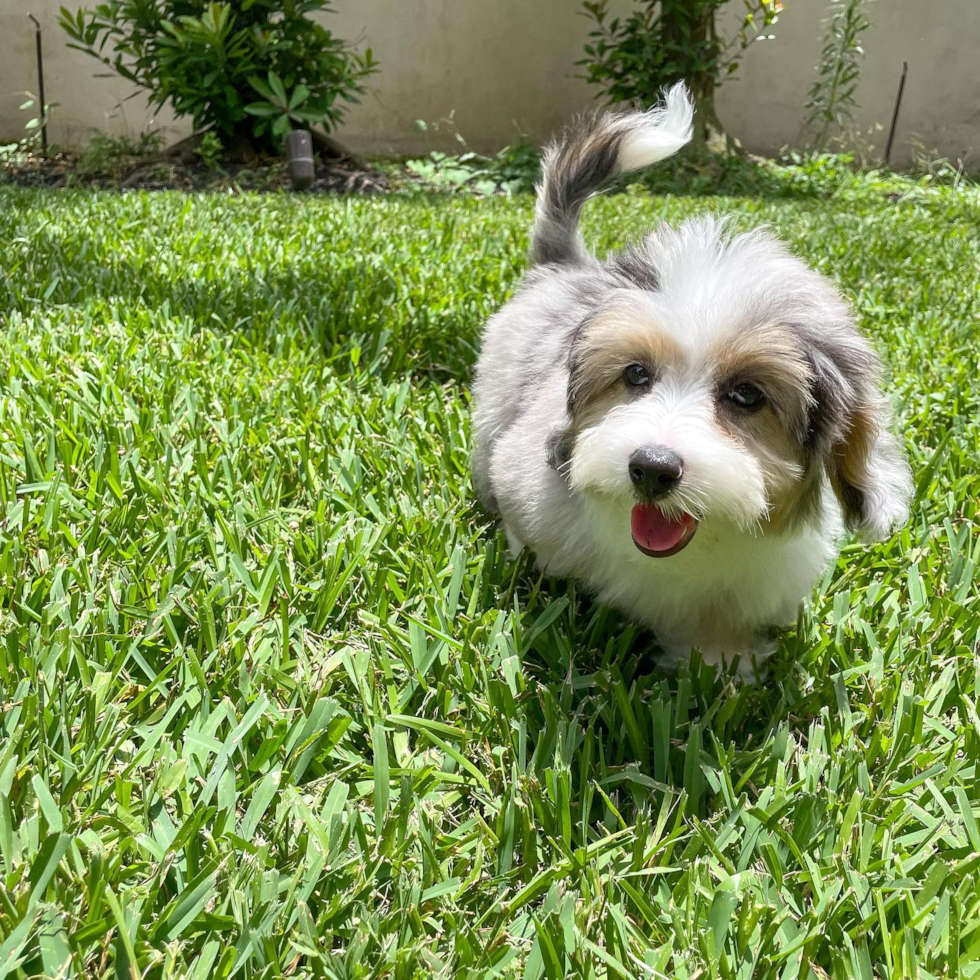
{"x":746,"y":396}
{"x":636,"y":376}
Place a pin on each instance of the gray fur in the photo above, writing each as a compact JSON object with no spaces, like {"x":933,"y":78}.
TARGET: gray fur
{"x":575,"y":168}
{"x":590,"y":155}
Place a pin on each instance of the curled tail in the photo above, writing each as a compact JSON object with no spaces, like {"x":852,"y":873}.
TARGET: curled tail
{"x":578,"y":166}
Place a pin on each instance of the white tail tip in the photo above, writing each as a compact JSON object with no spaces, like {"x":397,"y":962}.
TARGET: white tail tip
{"x":658,"y":133}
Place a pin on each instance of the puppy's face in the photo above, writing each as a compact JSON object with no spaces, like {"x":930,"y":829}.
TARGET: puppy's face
{"x":723,"y":398}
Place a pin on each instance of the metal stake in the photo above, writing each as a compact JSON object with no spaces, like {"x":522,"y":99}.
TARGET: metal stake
{"x":898,"y":105}
{"x":43,"y":112}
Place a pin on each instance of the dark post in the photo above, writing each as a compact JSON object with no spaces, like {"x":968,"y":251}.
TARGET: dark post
{"x":898,"y":105}
{"x":43,"y":111}
{"x":299,"y":157}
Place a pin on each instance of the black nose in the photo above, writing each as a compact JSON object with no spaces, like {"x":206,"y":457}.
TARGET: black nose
{"x":655,"y":472}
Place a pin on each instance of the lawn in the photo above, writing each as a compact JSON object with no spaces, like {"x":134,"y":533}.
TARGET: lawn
{"x":274,"y":700}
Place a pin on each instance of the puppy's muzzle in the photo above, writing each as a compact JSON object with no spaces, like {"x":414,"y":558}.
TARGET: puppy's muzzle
{"x":655,"y":472}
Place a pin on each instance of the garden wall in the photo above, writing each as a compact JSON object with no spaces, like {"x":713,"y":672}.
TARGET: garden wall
{"x":489,"y":70}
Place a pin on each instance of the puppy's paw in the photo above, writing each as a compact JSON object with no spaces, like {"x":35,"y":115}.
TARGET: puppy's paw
{"x":514,"y":544}
{"x":753,"y":666}
{"x":750,"y":663}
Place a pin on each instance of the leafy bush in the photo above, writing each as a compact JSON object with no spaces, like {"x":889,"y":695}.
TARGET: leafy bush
{"x":512,"y":170}
{"x":633,"y":58}
{"x":35,"y":125}
{"x":249,"y":69}
{"x":108,"y":156}
{"x":831,"y":102}
{"x":210,"y":149}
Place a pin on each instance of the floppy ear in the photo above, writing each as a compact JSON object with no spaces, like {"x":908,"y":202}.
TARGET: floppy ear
{"x":869,"y":472}
{"x":852,"y":423}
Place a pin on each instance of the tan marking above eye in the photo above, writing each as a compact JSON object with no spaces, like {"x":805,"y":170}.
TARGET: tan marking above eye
{"x":617,"y":337}
{"x":770,"y":358}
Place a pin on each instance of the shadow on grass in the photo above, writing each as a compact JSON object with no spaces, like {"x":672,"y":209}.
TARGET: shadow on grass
{"x":635,"y":734}
{"x":356,"y":301}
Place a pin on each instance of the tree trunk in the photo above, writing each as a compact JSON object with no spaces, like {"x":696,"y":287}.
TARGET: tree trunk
{"x":709,"y":133}
{"x":241,"y":145}
{"x":245,"y":147}
{"x":690,"y":25}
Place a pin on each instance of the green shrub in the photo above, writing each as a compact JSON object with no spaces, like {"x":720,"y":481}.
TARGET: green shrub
{"x":632,"y":58}
{"x":108,"y":156}
{"x":34,"y":127}
{"x":831,"y":102}
{"x":210,"y":150}
{"x":249,"y":70}
{"x":512,"y":170}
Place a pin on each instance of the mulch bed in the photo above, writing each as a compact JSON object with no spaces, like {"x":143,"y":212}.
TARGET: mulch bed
{"x":178,"y":173}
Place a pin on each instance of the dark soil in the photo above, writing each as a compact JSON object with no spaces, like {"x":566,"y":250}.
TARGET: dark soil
{"x":176,"y":172}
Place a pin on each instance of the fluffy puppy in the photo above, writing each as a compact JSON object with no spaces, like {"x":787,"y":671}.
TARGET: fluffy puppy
{"x":687,"y":427}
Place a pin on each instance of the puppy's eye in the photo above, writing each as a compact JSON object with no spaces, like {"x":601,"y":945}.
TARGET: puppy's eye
{"x":636,"y":376}
{"x":747,"y":396}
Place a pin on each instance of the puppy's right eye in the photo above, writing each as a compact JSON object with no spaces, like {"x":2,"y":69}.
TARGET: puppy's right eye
{"x":747,"y":396}
{"x":636,"y":376}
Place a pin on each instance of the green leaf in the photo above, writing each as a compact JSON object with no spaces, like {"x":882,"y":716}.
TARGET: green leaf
{"x":278,"y":89}
{"x":263,"y":109}
{"x":379,"y":744}
{"x":299,"y":95}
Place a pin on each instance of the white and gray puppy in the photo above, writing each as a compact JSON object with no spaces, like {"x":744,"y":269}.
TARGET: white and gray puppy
{"x":681,"y":427}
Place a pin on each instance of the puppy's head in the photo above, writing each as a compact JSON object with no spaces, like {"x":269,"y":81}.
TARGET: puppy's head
{"x":721,"y":380}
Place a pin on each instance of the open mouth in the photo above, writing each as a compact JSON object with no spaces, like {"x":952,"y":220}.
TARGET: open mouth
{"x":658,"y":535}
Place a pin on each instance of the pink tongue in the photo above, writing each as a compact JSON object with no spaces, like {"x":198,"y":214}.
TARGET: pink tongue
{"x":654,"y":530}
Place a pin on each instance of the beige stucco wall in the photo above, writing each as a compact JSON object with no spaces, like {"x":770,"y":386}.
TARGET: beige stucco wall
{"x":489,"y":69}
{"x":85,"y":102}
{"x":940,"y":40}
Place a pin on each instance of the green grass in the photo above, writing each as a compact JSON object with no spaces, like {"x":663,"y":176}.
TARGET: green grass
{"x":274,"y":700}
